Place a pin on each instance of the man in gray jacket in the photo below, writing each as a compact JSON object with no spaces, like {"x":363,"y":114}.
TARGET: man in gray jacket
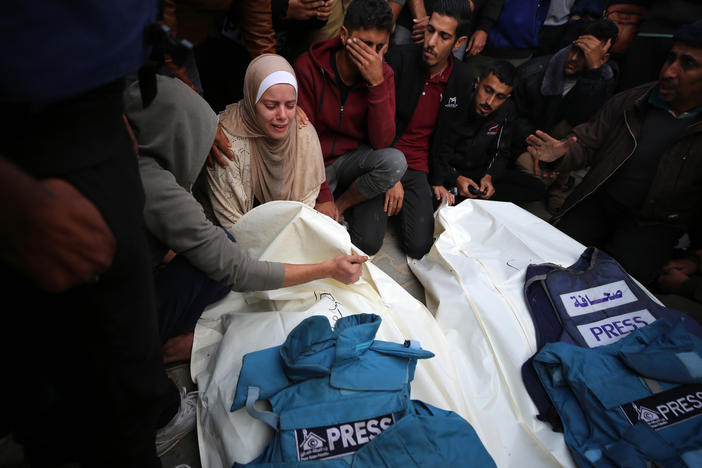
{"x":195,"y":261}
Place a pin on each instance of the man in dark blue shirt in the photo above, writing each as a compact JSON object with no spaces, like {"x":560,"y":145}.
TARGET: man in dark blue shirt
{"x":81,"y":343}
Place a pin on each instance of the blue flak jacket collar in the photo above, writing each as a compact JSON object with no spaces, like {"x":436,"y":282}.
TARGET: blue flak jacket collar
{"x":314,"y":350}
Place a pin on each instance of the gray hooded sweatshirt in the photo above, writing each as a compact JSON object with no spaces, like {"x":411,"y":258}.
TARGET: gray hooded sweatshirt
{"x":175,"y":134}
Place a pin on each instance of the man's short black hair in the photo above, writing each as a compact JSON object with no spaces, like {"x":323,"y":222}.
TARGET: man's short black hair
{"x":368,"y":14}
{"x":457,"y":9}
{"x":602,"y":29}
{"x":503,"y":70}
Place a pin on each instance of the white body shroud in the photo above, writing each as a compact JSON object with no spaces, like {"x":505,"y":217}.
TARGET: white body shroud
{"x":481,"y":335}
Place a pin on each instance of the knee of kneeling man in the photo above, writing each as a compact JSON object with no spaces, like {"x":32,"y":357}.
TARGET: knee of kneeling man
{"x":393,"y":162}
{"x":416,"y":250}
{"x":368,"y":244}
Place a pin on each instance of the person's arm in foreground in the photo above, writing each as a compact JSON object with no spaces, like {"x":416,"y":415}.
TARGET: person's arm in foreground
{"x":345,"y":269}
{"x":50,"y":232}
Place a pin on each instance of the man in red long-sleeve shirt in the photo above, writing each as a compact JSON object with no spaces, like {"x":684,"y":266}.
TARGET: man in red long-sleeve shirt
{"x":347,"y":91}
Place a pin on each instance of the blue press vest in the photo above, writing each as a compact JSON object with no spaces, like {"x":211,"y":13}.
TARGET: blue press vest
{"x":633,"y":402}
{"x":341,"y":398}
{"x":591,"y":303}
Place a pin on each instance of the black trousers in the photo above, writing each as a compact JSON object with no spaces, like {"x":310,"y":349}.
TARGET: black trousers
{"x":417,"y":214}
{"x":84,"y":379}
{"x":641,"y":248}
{"x":182,"y":294}
{"x":368,"y":220}
{"x":514,"y":186}
{"x":518,"y":187}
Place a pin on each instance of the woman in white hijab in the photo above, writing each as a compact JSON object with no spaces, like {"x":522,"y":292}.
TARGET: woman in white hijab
{"x":274,"y":158}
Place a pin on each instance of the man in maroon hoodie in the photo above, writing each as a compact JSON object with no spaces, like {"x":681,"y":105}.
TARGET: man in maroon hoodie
{"x":348,"y":93}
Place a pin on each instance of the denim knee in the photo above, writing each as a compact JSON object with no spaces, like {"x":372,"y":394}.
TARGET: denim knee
{"x":390,"y":166}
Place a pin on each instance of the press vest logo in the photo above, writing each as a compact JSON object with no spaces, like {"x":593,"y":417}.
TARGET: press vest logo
{"x":452,"y":103}
{"x":322,"y":443}
{"x":598,"y":298}
{"x":493,"y":129}
{"x":666,"y":408}
{"x":614,"y":328}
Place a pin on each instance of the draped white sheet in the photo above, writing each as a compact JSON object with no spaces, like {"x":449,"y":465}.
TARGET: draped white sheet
{"x":474,"y":283}
{"x":481,"y":335}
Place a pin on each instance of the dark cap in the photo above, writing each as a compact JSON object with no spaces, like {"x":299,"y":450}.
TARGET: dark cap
{"x":690,"y":34}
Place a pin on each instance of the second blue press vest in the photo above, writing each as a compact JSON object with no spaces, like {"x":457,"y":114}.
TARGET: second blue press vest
{"x":591,"y":303}
{"x":634,"y":403}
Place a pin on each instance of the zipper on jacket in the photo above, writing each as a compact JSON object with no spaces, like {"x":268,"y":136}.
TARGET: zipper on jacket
{"x":338,"y":127}
{"x":497,"y":152}
{"x":321,"y":98}
{"x":636,"y":145}
{"x":683,"y":159}
{"x":684,"y":155}
{"x":341,"y":117}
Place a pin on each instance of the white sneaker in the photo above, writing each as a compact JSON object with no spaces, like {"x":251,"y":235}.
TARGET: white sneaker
{"x":181,"y":424}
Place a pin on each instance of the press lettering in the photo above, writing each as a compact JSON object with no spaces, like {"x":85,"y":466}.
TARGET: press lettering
{"x":596,"y":332}
{"x":620,"y":330}
{"x":333,"y":435}
{"x":609,"y":330}
{"x":640,"y":321}
{"x":372,"y":427}
{"x":361,"y":432}
{"x":325,"y":442}
{"x":663,"y":410}
{"x":385,"y":423}
{"x":675,"y":408}
{"x":627,"y":323}
{"x":683,"y":404}
{"x":347,"y":435}
{"x":669,"y":407}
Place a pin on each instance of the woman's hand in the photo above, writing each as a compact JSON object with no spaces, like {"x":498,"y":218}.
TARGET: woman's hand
{"x":347,"y":268}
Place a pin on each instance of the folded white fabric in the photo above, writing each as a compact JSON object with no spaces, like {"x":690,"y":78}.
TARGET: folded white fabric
{"x":246,"y":322}
{"x":474,"y":282}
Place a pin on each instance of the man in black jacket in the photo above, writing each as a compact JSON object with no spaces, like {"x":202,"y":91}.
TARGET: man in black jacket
{"x":476,"y":152}
{"x":557,"y":92}
{"x":430,"y":87}
{"x":569,"y":86}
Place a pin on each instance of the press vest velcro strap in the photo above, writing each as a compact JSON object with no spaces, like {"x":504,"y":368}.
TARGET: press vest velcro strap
{"x":649,"y":443}
{"x":652,"y":385}
{"x":267,"y":417}
{"x":413,"y":344}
